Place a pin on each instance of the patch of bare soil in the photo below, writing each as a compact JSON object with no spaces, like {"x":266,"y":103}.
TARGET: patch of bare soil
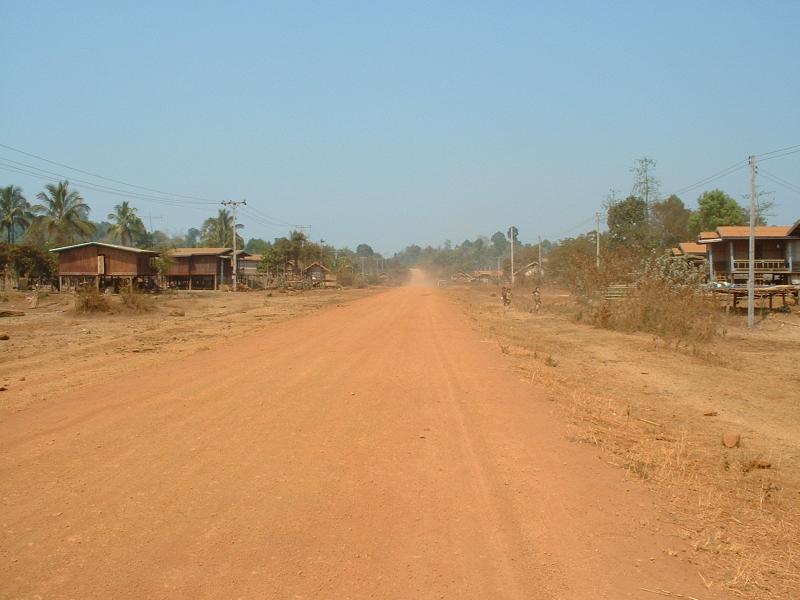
{"x":53,"y":348}
{"x":661,"y":413}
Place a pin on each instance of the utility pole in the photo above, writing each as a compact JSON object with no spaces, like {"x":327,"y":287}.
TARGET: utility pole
{"x":751,"y":278}
{"x":540,"y":253}
{"x":511,"y":235}
{"x":597,"y":238}
{"x":234,"y":204}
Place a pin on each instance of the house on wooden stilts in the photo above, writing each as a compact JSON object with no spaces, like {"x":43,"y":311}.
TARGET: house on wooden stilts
{"x":104,"y":266}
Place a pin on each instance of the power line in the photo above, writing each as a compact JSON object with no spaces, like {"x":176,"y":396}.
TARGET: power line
{"x":797,"y":146}
{"x":47,"y":175}
{"x":112,"y":180}
{"x":774,"y":178}
{"x":780,"y":155}
{"x":706,"y":180}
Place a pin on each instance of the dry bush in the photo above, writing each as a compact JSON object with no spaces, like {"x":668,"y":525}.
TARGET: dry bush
{"x":90,"y":300}
{"x":137,"y":302}
{"x":666,"y":299}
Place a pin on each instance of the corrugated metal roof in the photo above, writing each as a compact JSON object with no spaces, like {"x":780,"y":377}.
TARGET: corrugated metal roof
{"x":177,"y":252}
{"x":105,"y":245}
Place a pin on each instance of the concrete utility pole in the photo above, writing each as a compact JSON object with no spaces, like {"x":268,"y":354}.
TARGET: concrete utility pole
{"x":511,"y":235}
{"x":540,"y":253}
{"x":234,"y":205}
{"x":597,"y":238}
{"x":751,"y":277}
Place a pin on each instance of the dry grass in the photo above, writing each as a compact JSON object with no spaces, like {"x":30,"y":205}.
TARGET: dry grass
{"x":745,"y":517}
{"x":137,"y":302}
{"x":90,"y":300}
{"x":739,"y":508}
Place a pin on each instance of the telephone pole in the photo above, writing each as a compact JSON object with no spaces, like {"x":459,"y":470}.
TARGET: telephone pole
{"x":540,"y":253}
{"x":234,"y":204}
{"x":511,"y":235}
{"x":597,"y":239}
{"x":751,"y":278}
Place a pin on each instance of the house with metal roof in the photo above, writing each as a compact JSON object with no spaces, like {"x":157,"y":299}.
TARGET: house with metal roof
{"x":104,"y":265}
{"x":777,"y":254}
{"x":201,"y":268}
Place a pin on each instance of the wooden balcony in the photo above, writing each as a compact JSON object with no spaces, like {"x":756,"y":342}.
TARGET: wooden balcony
{"x":762,"y":266}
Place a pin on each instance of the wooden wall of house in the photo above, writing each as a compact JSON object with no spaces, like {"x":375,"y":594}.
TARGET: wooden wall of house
{"x":194,"y":265}
{"x":766,"y":249}
{"x":120,"y":262}
{"x":78,"y":261}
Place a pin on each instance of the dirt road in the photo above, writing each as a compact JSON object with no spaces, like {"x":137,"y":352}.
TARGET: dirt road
{"x":379,"y":449}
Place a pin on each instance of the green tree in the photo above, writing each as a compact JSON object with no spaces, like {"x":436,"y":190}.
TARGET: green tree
{"x":192,"y":237}
{"x":670,"y":221}
{"x":499,"y":243}
{"x":64,"y":214}
{"x":256,"y":246}
{"x":364,"y":250}
{"x":126,"y":226}
{"x":270,"y":260}
{"x":15,"y":212}
{"x":715,"y":209}
{"x":217,"y":231}
{"x":627,"y":222}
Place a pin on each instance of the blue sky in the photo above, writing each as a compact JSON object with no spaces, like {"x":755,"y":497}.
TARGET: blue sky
{"x":395,"y":123}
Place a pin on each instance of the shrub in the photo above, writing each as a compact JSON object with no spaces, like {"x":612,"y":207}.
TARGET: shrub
{"x":90,"y":300}
{"x":667,"y":299}
{"x":345,"y":277}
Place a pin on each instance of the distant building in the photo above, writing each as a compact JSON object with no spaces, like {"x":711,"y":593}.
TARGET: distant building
{"x":777,"y":254}
{"x":201,"y":268}
{"x":319,"y":275}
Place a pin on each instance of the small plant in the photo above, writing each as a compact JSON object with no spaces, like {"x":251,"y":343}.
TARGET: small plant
{"x":90,"y":300}
{"x":137,"y":302}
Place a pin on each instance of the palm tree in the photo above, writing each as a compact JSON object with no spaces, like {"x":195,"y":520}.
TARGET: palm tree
{"x":15,"y":212}
{"x":216,"y":231}
{"x":65,"y":214}
{"x":126,"y":226}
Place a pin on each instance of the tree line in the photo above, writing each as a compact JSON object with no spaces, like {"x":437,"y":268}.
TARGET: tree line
{"x":60,"y":216}
{"x":637,"y":225}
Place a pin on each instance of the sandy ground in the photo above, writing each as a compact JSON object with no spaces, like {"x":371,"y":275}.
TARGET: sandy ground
{"x":659,"y":412}
{"x":51,"y":349}
{"x":375,"y":448}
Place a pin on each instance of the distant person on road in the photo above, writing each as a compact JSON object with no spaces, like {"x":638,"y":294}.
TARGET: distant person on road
{"x":505,"y":294}
{"x":537,"y":299}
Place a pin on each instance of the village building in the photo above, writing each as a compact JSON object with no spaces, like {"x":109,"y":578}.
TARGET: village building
{"x":104,"y":265}
{"x":461,"y":277}
{"x":532,"y":272}
{"x":691,"y":251}
{"x":201,"y":268}
{"x":777,"y":254}
{"x":487,"y":276}
{"x":319,"y":275}
{"x":248,"y":265}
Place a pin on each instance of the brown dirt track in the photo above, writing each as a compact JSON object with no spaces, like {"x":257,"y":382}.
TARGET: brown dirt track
{"x":379,"y":449}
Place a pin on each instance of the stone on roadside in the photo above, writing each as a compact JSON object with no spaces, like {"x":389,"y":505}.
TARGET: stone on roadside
{"x":4,"y":336}
{"x":731,"y":439}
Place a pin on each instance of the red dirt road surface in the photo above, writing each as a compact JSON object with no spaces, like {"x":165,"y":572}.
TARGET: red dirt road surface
{"x":379,"y":449}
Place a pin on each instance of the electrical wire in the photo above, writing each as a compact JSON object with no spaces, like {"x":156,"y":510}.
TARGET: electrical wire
{"x":103,"y":177}
{"x":795,"y":147}
{"x":47,"y":179}
{"x":774,"y":156}
{"x":775,"y":179}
